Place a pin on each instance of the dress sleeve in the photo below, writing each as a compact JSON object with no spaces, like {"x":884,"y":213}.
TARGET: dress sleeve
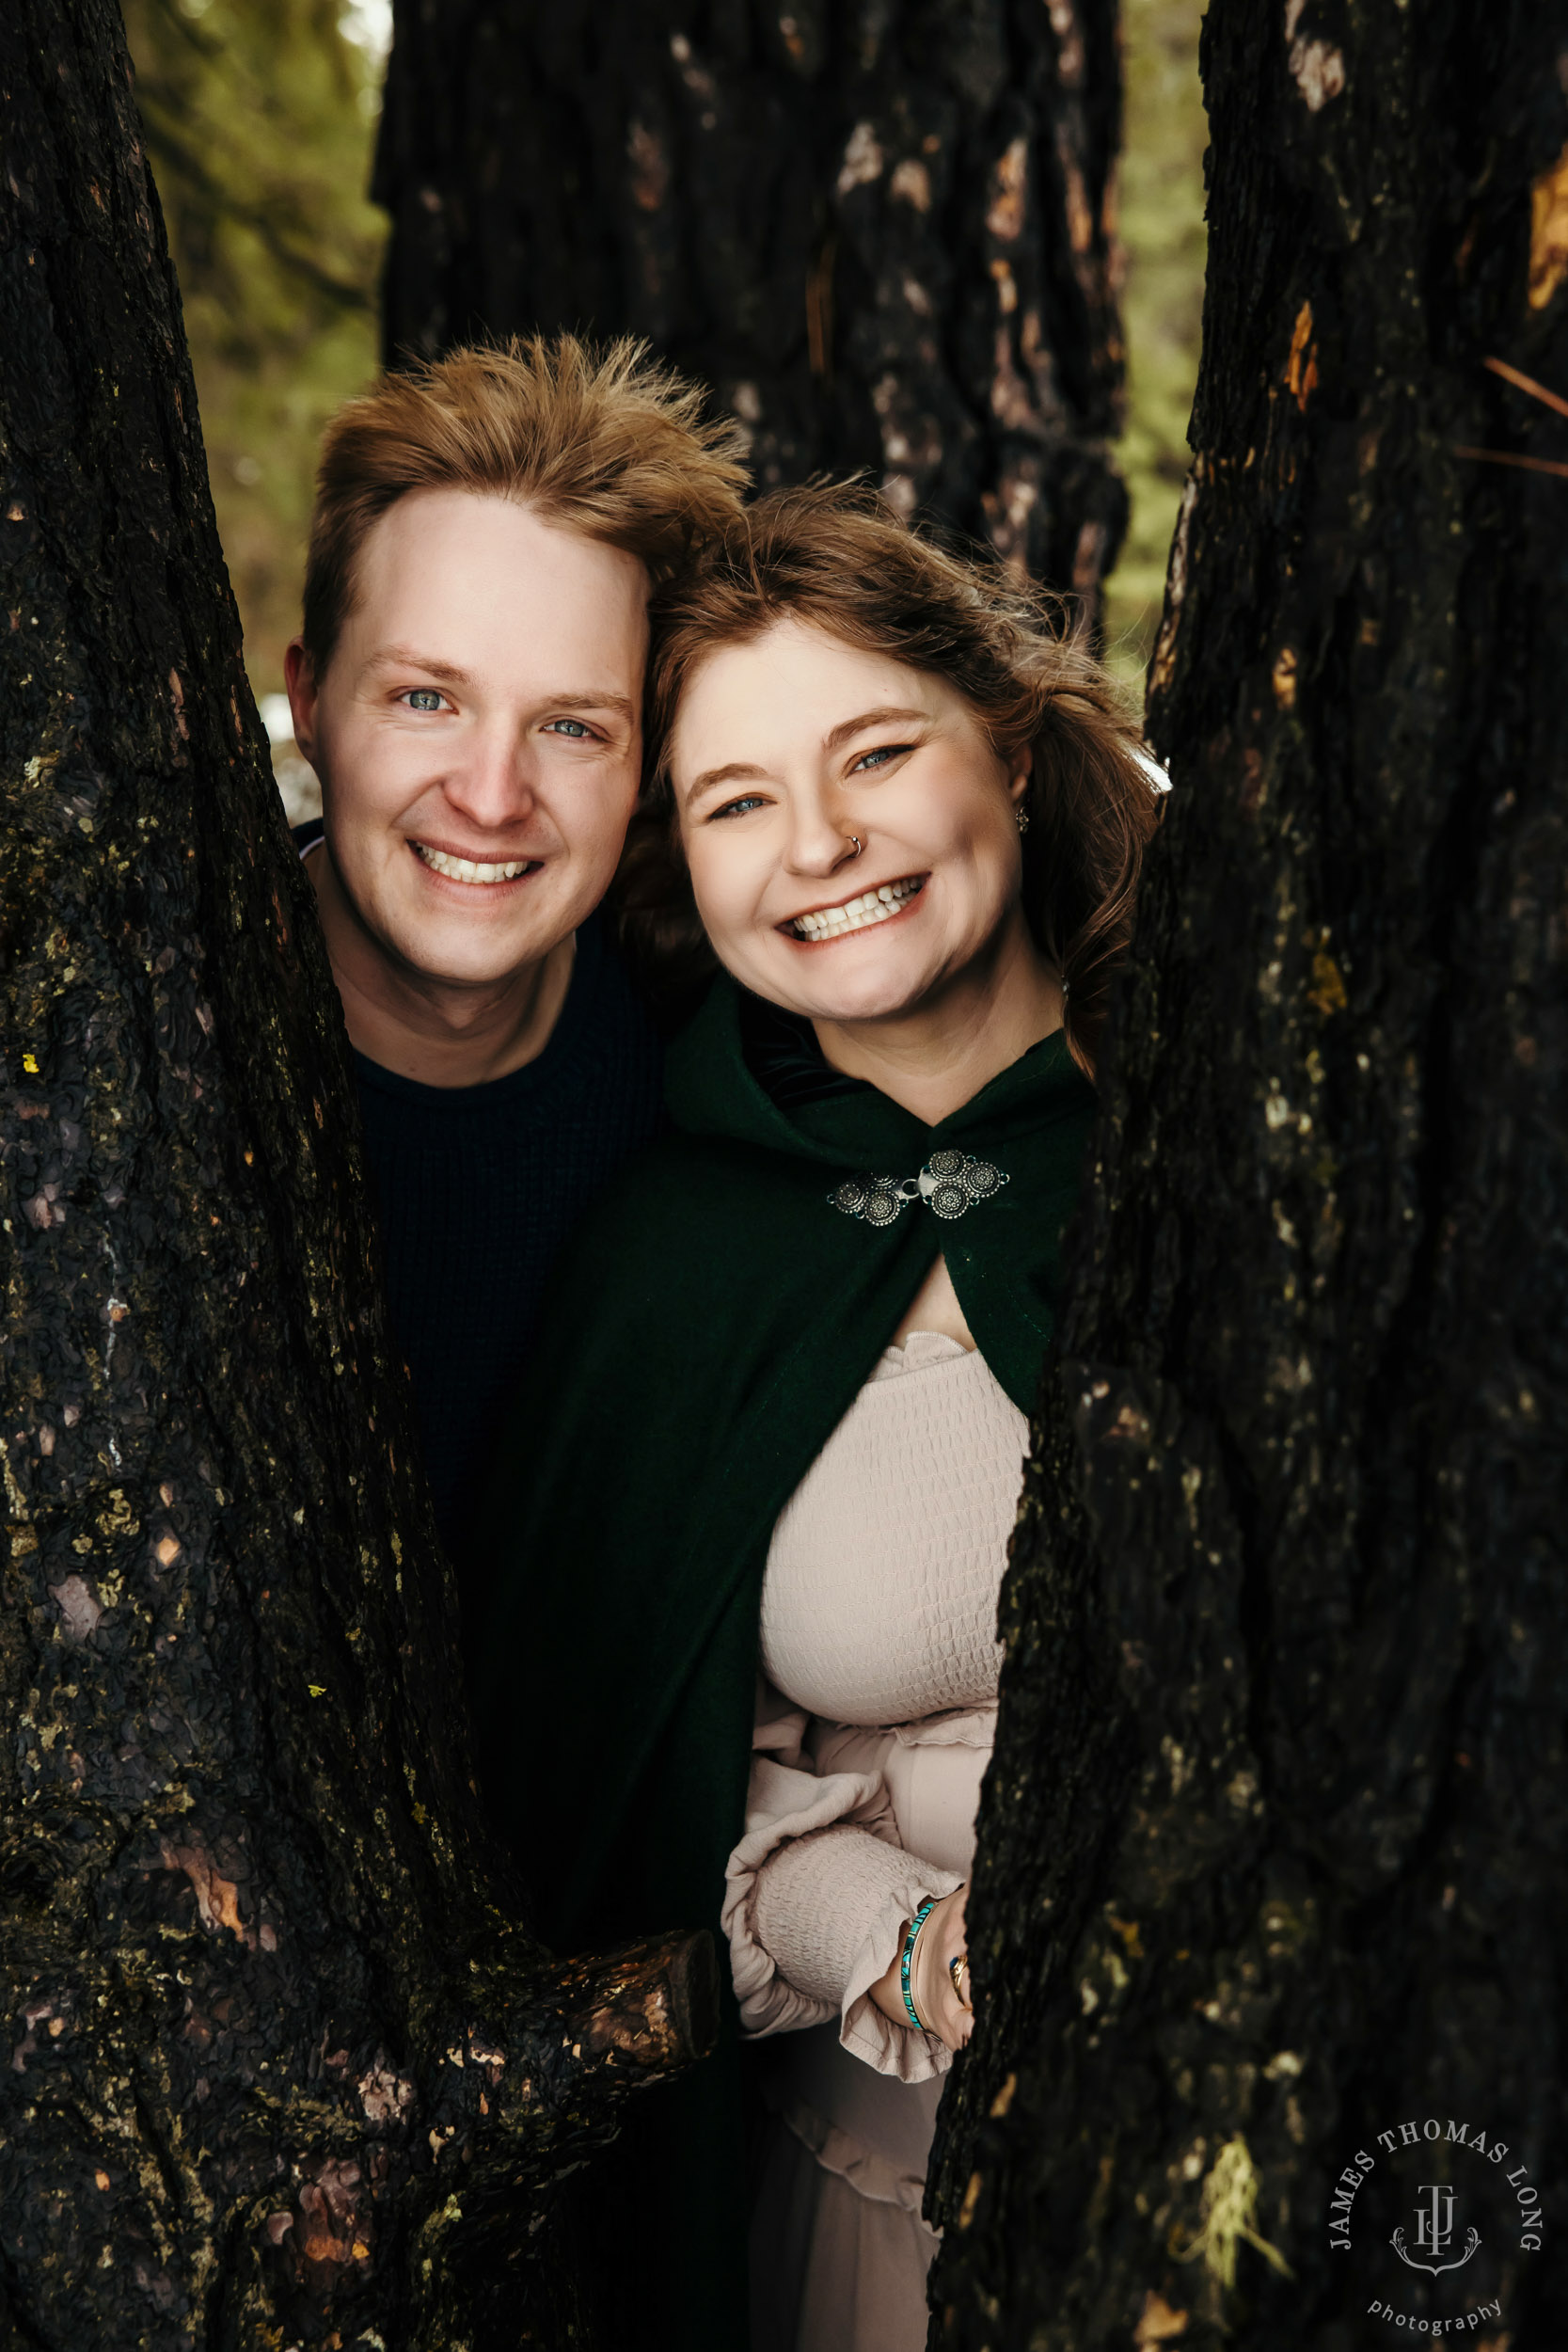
{"x":819,"y":1892}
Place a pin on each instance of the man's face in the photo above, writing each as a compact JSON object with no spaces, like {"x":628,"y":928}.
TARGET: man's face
{"x":475,"y":732}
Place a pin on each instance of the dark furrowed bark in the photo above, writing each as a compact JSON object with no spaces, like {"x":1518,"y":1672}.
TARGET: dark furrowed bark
{"x":882,"y":235}
{"x":283,"y":2065}
{"x":1272,"y":1852}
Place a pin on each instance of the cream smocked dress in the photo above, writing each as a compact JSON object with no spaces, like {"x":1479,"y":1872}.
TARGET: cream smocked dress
{"x":875,"y":1721}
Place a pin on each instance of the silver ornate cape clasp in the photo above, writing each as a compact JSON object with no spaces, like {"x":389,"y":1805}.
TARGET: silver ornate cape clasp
{"x":950,"y":1183}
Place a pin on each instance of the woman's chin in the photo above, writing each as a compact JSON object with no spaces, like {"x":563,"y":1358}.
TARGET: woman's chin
{"x":822,"y":993}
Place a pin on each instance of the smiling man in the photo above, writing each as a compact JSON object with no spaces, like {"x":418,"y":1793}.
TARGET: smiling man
{"x":467,"y":686}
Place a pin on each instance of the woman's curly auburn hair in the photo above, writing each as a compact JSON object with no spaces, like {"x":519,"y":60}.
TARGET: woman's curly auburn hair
{"x":838,"y":558}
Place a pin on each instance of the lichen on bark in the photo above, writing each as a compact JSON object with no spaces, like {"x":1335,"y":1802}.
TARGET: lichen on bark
{"x":283,"y":2063}
{"x":1270,"y":1848}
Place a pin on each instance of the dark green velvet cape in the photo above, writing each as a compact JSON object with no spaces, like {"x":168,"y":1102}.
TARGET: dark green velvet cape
{"x":708,"y":1328}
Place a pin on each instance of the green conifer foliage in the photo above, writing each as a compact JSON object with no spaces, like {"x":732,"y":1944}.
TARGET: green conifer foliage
{"x":260,"y":116}
{"x":1164,"y":242}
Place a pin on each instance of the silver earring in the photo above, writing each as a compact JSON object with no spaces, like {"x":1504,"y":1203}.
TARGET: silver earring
{"x":1023,"y":817}
{"x":858,"y":842}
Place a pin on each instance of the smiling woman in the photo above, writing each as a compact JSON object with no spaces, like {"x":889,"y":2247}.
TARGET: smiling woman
{"x":870,"y":877}
{"x":904,"y":815}
{"x":911,"y":728}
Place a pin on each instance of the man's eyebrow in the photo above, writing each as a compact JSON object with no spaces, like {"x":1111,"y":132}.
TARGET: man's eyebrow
{"x":409,"y":658}
{"x":581,"y":698}
{"x":594,"y":698}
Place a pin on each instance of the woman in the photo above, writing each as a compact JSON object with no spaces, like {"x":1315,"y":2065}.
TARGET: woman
{"x":754,"y":1518}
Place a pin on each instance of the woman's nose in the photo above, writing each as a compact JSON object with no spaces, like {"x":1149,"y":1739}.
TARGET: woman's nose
{"x":820,"y":838}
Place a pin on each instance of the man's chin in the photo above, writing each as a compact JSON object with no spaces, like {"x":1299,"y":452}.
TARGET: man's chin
{"x":478,"y":932}
{"x":480,"y":952}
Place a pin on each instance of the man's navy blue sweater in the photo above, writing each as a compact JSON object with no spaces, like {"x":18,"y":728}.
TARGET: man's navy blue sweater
{"x":477,"y":1187}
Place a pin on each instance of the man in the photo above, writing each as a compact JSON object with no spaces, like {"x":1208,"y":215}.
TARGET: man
{"x":468,"y":685}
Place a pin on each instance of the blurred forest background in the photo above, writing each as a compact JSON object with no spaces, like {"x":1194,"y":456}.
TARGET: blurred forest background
{"x":261,"y":121}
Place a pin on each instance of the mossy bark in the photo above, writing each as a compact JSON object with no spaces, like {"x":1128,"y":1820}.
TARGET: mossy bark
{"x":1272,"y":1849}
{"x":882,"y":234}
{"x":283,"y":2064}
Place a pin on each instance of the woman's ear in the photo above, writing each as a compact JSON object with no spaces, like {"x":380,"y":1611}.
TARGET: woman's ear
{"x":1021,"y":768}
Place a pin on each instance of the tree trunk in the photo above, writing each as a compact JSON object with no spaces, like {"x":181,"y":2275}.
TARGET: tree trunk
{"x":884,"y":235}
{"x":1270,"y":1897}
{"x":284,"y":2067}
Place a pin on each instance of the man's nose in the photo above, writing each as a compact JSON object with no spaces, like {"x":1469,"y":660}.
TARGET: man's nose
{"x":492,"y":783}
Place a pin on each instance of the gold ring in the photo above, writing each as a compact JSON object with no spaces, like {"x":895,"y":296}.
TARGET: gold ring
{"x":957,"y":1968}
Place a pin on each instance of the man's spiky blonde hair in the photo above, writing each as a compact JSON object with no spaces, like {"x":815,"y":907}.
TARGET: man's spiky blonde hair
{"x":605,"y":442}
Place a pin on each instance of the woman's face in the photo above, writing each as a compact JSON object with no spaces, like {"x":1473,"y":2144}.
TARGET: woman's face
{"x":786,"y":752}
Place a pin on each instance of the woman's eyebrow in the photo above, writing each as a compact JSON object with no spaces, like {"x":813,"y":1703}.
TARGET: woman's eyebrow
{"x":737,"y":769}
{"x":839,"y":735}
{"x":745,"y":770}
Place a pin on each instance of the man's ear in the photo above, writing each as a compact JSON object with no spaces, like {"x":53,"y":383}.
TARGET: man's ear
{"x":299,"y":676}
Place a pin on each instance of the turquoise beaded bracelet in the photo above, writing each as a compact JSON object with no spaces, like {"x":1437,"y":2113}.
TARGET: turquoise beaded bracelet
{"x":906,"y":1961}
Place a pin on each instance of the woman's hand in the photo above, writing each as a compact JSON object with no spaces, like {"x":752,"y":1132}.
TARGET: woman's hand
{"x":940,"y":1941}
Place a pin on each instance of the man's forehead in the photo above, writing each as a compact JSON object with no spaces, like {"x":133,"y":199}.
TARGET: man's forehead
{"x":487,"y":526}
{"x":462,"y":584}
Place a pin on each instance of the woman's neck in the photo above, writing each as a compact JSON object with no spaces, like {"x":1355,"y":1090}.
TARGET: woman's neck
{"x":934,"y":1057}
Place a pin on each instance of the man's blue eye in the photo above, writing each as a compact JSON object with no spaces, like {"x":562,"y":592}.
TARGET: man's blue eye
{"x":423,"y":698}
{"x":571,"y":729}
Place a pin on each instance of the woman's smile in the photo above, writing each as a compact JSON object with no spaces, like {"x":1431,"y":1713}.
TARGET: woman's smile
{"x":851,"y":734}
{"x":882,"y":903}
{"x":828,"y":793}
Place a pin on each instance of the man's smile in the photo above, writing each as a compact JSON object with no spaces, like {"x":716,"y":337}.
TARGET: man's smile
{"x":469,"y":869}
{"x":870,"y":907}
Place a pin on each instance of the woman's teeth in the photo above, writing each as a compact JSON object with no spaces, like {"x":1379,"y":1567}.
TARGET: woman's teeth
{"x":858,"y":915}
{"x":468,"y":869}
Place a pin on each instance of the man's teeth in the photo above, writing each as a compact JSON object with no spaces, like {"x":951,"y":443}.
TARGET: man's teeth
{"x":469,"y":869}
{"x":856,"y":914}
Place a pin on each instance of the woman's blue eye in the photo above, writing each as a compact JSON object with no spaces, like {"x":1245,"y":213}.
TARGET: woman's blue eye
{"x":739,"y":808}
{"x":571,"y":728}
{"x":878,"y":757}
{"x":424,"y":698}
